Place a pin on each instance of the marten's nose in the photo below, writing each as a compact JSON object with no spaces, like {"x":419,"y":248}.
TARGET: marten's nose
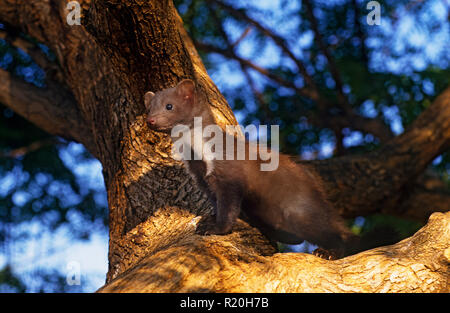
{"x":151,"y":121}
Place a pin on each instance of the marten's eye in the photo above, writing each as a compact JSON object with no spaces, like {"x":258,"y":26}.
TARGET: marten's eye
{"x":169,"y":106}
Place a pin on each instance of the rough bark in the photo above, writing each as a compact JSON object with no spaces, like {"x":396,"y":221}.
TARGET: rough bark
{"x":218,"y":264}
{"x":125,"y":48}
{"x":108,"y":82}
{"x":426,"y":195}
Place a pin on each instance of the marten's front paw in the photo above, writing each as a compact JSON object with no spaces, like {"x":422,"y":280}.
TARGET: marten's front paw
{"x":325,"y":254}
{"x":208,"y":226}
{"x":215,"y":230}
{"x":207,"y":222}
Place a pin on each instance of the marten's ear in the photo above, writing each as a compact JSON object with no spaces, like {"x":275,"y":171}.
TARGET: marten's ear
{"x":186,"y":89}
{"x":147,"y":98}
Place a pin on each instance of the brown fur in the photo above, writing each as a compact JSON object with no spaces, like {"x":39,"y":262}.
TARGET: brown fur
{"x":288,"y":204}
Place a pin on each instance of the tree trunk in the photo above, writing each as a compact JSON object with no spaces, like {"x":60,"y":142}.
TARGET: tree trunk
{"x":124,"y":48}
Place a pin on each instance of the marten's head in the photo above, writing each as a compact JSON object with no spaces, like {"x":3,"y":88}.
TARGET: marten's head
{"x":172,"y":106}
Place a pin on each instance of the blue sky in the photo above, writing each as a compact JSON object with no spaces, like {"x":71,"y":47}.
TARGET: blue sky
{"x":47,"y":250}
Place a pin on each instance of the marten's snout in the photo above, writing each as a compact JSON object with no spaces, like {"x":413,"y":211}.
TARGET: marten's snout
{"x":158,"y":122}
{"x":151,"y":122}
{"x":150,"y":118}
{"x":155,"y":123}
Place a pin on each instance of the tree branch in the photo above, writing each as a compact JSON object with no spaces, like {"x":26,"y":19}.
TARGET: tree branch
{"x":19,"y":152}
{"x":241,"y":37}
{"x":360,"y":33}
{"x":52,"y":70}
{"x":244,"y":68}
{"x":99,"y":93}
{"x":332,"y":65}
{"x":427,"y":137}
{"x":226,"y":264}
{"x":427,"y":194}
{"x":360,"y":185}
{"x":355,"y":121}
{"x":279,"y":41}
{"x":276,"y":78}
{"x":52,"y":108}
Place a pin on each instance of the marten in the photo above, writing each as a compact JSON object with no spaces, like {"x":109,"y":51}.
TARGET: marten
{"x":286,"y":204}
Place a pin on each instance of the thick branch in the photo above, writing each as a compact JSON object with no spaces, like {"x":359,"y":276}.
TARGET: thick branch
{"x":52,"y":108}
{"x":425,"y":196}
{"x":52,"y":70}
{"x":86,"y":70}
{"x":225,"y":263}
{"x":19,"y":152}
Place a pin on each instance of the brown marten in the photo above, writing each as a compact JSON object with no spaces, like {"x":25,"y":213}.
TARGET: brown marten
{"x":287,"y":203}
